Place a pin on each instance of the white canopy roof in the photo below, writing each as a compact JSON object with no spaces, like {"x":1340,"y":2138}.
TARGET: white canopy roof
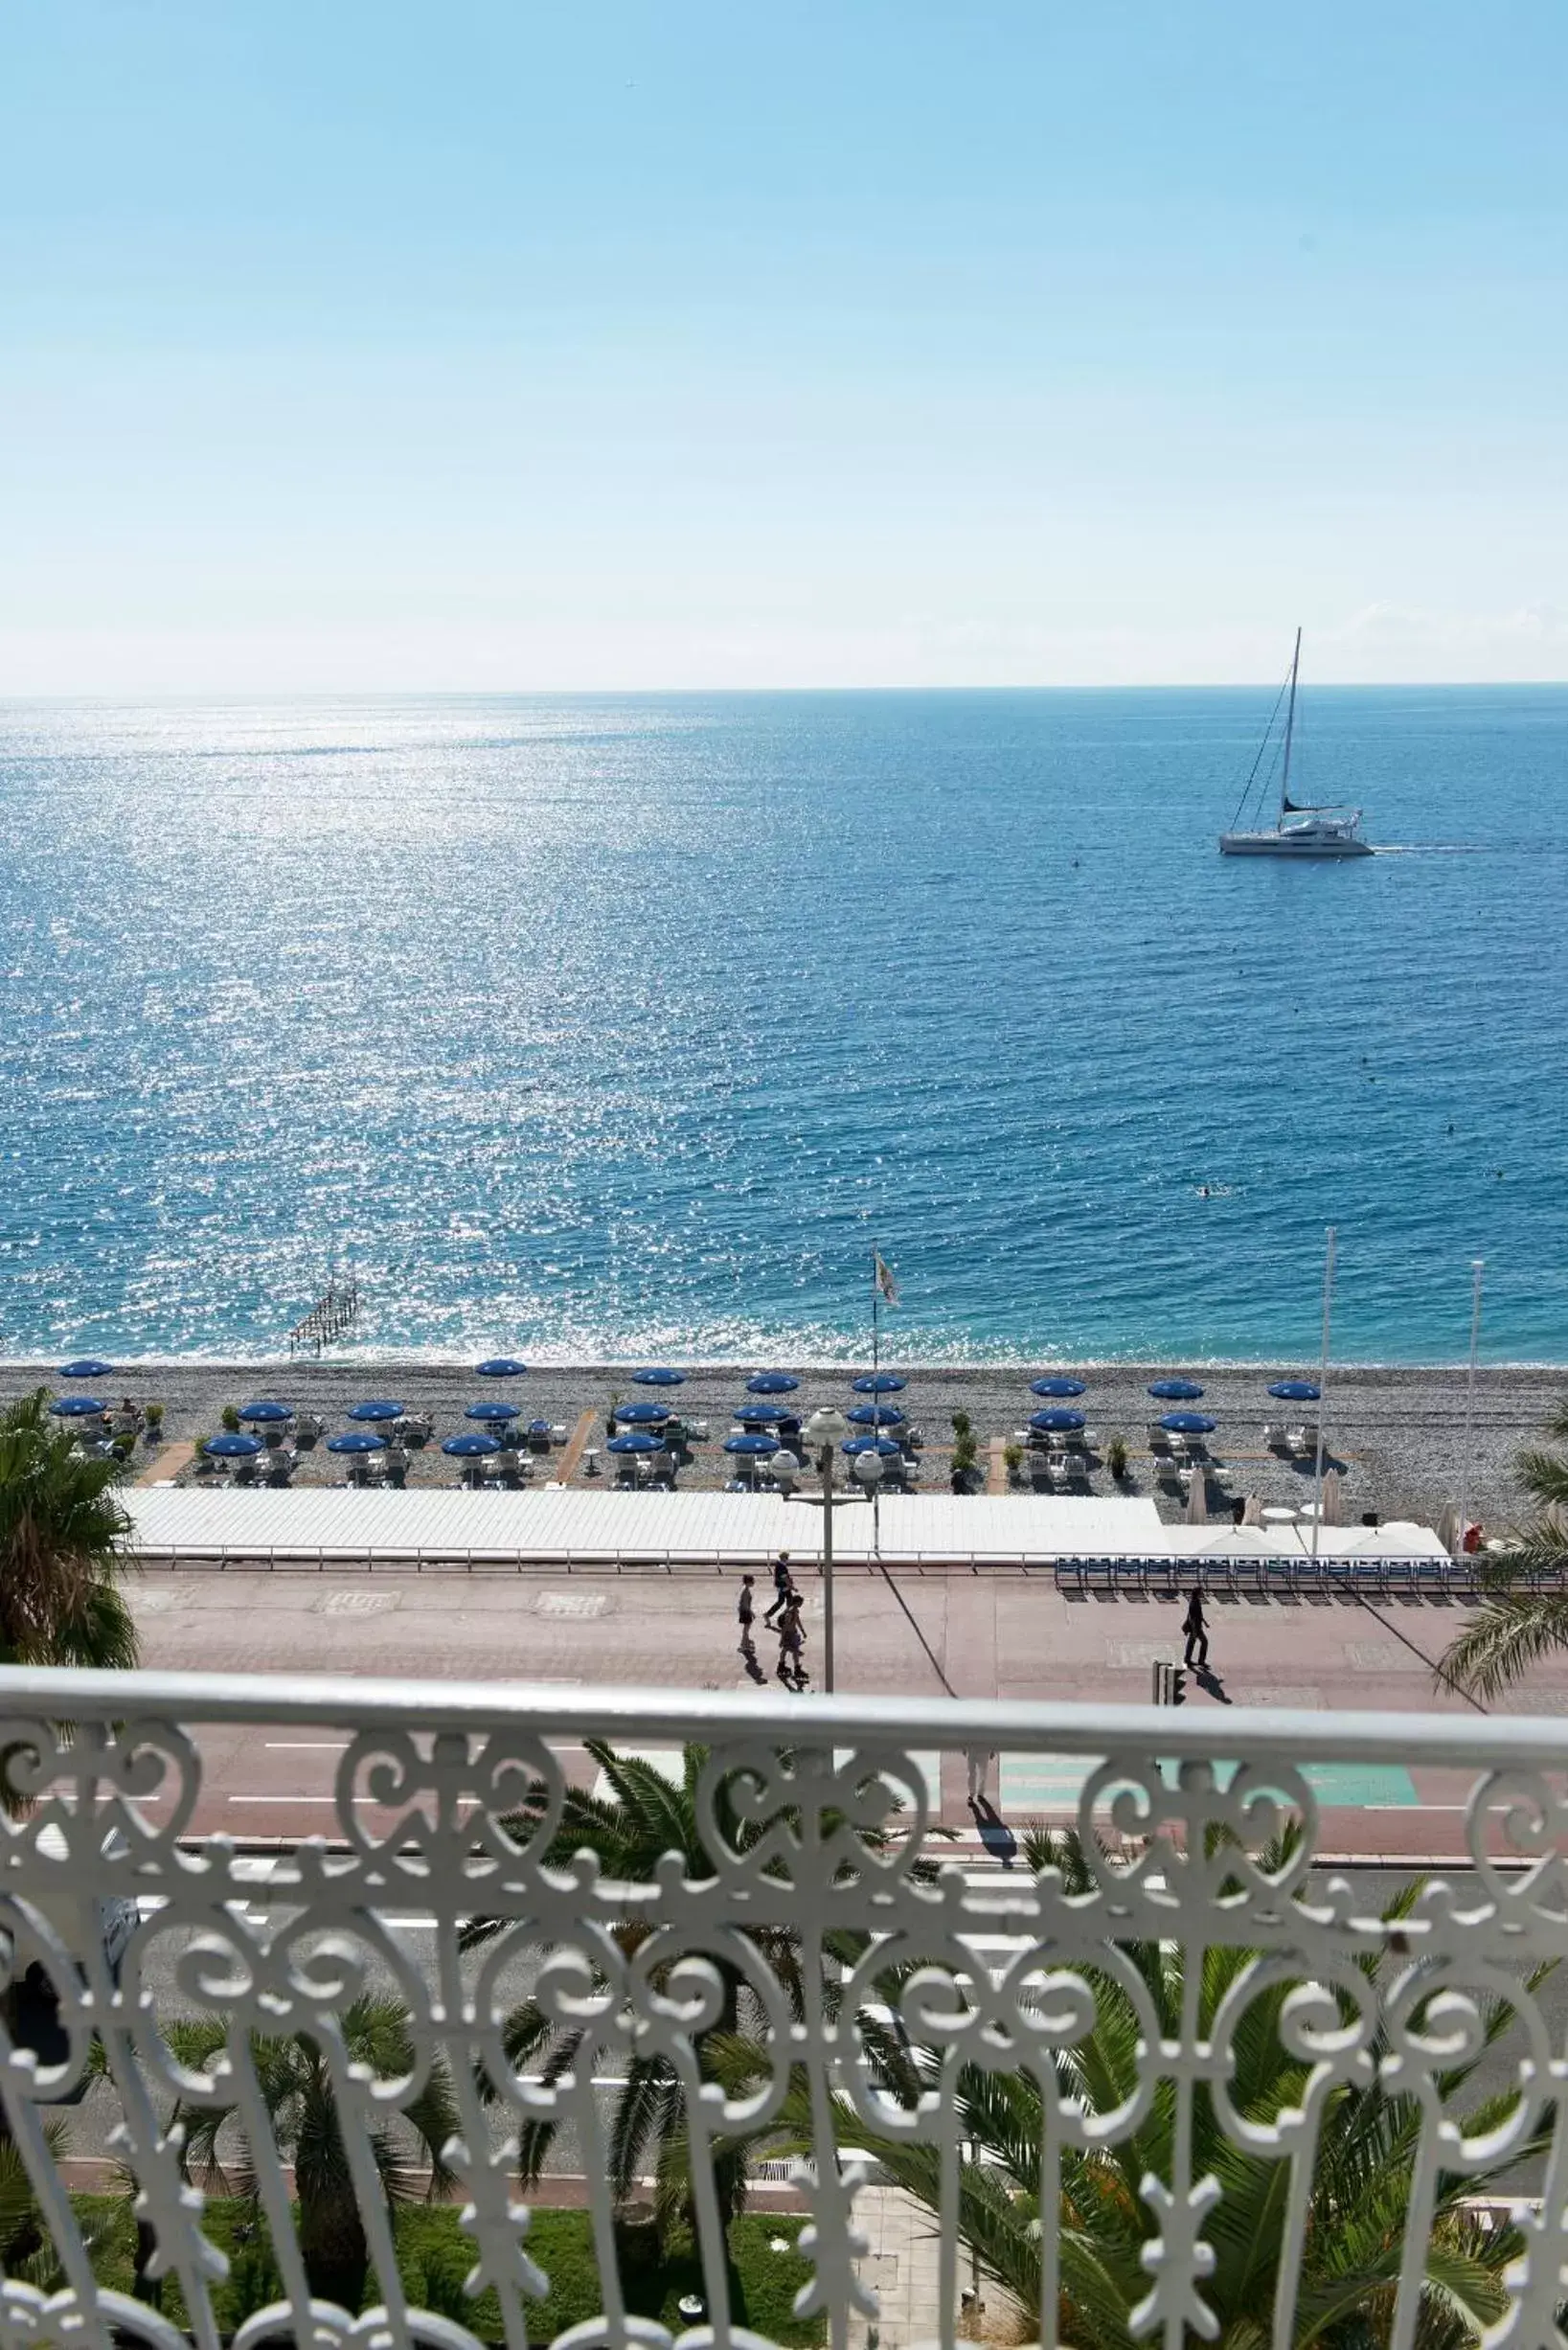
{"x":310,"y":1521}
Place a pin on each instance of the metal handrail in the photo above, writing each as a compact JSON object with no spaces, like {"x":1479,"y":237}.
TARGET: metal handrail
{"x":1412,"y":1567}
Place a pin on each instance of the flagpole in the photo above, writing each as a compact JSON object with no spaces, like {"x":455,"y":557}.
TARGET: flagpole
{"x":875,"y":1406}
{"x":875,"y":1364}
{"x":1476,"y":1268}
{"x":1323,"y":1387}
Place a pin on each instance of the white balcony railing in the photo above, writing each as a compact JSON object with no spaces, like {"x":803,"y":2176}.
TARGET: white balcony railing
{"x":815,"y":1973}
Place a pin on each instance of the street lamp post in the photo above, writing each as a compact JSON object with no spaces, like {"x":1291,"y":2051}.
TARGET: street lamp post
{"x":822,"y":1434}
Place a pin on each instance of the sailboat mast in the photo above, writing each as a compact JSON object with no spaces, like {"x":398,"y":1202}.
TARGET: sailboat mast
{"x":1290,"y":730}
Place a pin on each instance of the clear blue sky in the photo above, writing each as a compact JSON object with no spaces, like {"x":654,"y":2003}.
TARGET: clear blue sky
{"x":863,"y":341}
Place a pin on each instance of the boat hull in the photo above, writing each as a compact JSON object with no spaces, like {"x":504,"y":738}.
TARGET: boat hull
{"x":1281,"y":844}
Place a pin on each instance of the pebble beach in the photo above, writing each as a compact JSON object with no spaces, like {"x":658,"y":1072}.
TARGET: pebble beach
{"x":1397,"y":1434}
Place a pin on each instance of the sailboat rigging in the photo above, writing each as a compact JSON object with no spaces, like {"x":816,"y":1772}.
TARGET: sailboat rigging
{"x":1301,"y":828}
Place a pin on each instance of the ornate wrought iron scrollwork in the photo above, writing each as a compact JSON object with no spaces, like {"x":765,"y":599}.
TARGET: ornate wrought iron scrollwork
{"x":807,"y":1967}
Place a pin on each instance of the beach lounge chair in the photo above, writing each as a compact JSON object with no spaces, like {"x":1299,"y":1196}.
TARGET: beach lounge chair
{"x":1282,"y":1576}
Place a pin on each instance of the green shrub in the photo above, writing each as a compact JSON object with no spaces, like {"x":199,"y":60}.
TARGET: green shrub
{"x":1014,"y":1456}
{"x":963,"y":1426}
{"x":1116,"y":1456}
{"x":434,"y":2257}
{"x":230,"y":1417}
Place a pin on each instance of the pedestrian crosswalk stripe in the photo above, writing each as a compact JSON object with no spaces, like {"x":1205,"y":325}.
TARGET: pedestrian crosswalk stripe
{"x":927,"y":1761}
{"x":1054,"y":1783}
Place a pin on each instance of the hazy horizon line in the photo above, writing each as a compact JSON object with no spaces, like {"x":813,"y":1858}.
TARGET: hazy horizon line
{"x":153,"y":696}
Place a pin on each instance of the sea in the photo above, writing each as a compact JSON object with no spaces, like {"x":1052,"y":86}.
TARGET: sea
{"x":607,"y":1027}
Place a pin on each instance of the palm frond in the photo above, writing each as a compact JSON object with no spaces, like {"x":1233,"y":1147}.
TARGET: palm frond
{"x":1511,"y":1632}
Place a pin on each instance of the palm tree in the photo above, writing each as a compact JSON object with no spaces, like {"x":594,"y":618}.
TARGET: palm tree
{"x":1346,"y":2281}
{"x":1517,"y":1624}
{"x":644,"y":1816}
{"x":60,"y":1531}
{"x":297,"y":2089}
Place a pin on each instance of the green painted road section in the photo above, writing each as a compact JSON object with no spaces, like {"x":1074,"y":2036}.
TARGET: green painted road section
{"x":1053,"y":1784}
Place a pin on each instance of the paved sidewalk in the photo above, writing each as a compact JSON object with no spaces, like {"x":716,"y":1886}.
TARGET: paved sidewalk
{"x":901,"y":2266}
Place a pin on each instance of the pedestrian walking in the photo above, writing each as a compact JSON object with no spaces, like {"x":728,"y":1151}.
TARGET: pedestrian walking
{"x":792,"y":1644}
{"x":781,"y":1582}
{"x":1195,"y":1628}
{"x":980,"y":1760}
{"x":745,"y":1611}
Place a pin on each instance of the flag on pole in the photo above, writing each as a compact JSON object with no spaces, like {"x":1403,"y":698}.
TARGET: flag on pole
{"x":885,"y":1281}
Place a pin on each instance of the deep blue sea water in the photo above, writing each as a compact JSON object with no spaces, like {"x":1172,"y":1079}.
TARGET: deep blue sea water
{"x":626,"y":1026}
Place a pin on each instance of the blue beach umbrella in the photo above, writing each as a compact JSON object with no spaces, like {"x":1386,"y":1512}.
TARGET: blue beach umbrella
{"x":358,"y":1439}
{"x":762,"y":1415}
{"x":1056,"y":1386}
{"x":754,"y":1447}
{"x":1176,"y":1390}
{"x":876,"y":1416}
{"x":539,"y":1427}
{"x":378,"y":1408}
{"x":88,"y":1366}
{"x":266,"y":1413}
{"x":880,"y":1382}
{"x":884,"y":1445}
{"x":658,"y":1375}
{"x":1188,"y":1423}
{"x":234,"y":1448}
{"x":634,"y":1442}
{"x":643,"y":1415}
{"x":495,"y":1411}
{"x":500,"y":1366}
{"x":771,"y":1383}
{"x":78,"y":1408}
{"x":471,"y":1445}
{"x":1295,"y":1391}
{"x":1057,"y":1422}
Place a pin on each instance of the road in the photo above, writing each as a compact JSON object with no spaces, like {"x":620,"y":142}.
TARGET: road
{"x":971,"y":1636}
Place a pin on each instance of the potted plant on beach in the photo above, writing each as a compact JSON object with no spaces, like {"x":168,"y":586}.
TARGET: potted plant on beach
{"x":230,"y":1417}
{"x":1116,"y":1457}
{"x":152,"y":1423}
{"x":1014,"y":1456}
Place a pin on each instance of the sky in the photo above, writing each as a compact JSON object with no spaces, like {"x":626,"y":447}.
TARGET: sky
{"x":603,"y":345}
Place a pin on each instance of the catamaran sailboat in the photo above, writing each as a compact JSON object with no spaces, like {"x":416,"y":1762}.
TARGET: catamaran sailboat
{"x":1302,"y":827}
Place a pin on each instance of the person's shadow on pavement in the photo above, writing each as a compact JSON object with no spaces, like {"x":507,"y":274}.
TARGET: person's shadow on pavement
{"x":1207,"y":1678}
{"x":995,"y":1835}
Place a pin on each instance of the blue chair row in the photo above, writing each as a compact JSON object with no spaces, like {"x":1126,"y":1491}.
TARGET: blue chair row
{"x":1289,"y":1573}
